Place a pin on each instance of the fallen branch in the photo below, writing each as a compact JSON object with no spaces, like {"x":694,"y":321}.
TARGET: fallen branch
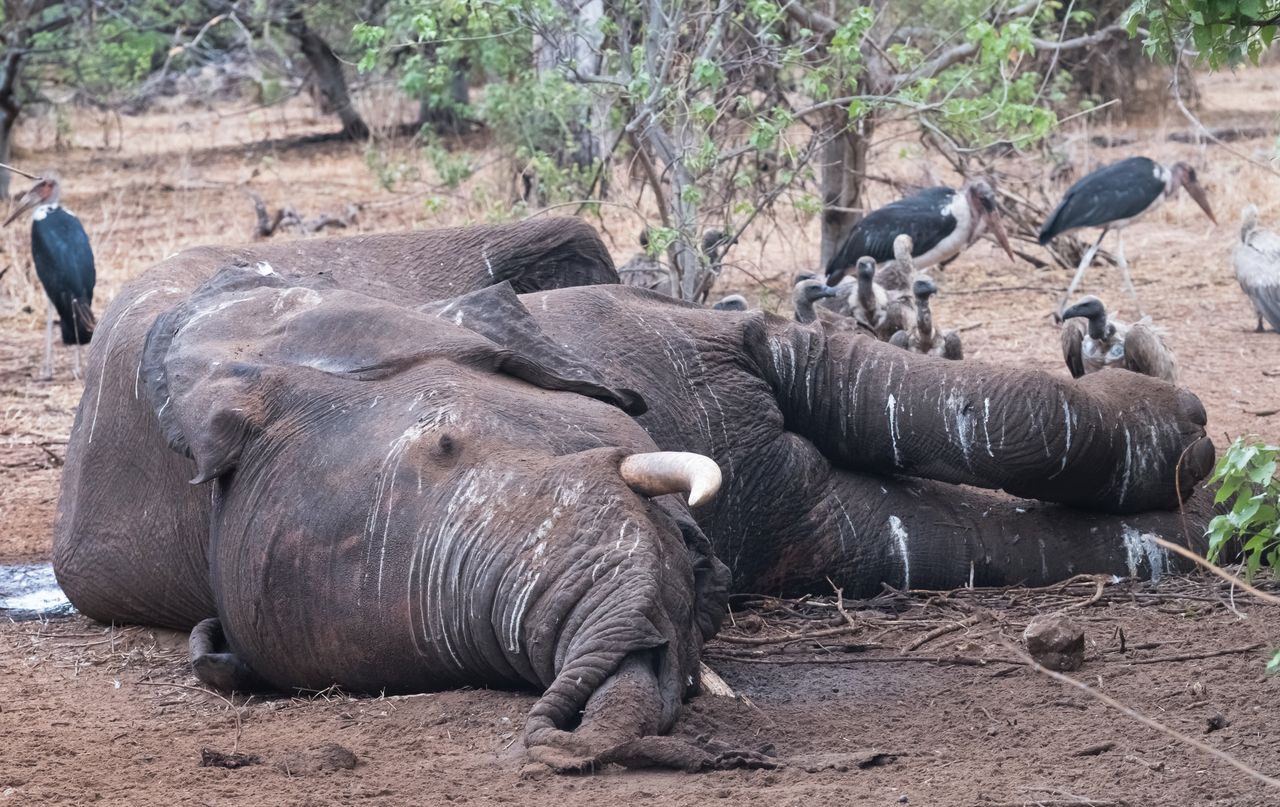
{"x":963,"y":661}
{"x":1194,"y":656}
{"x":1223,"y":573}
{"x":942,"y":631}
{"x":267,"y":224}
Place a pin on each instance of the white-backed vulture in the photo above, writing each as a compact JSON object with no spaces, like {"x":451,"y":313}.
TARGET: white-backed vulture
{"x":925,"y":337}
{"x":1257,"y":263}
{"x":1090,"y":341}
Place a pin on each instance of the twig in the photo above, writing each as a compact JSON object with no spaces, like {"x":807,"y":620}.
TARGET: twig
{"x":1195,"y":656}
{"x":963,"y":661}
{"x":1144,"y":720}
{"x":791,"y":637}
{"x":1223,"y":573}
{"x":1097,"y":595}
{"x":942,"y":631}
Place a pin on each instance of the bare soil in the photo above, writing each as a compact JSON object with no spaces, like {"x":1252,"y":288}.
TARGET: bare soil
{"x":112,"y":714}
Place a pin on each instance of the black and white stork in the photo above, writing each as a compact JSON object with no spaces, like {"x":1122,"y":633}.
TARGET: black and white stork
{"x":64,"y":265}
{"x":1104,"y":342}
{"x":1113,"y":197}
{"x":942,"y":223}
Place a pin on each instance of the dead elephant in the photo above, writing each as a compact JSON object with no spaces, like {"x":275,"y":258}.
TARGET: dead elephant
{"x":412,"y":498}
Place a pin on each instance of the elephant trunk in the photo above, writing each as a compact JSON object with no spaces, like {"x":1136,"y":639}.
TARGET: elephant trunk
{"x":1114,"y":441}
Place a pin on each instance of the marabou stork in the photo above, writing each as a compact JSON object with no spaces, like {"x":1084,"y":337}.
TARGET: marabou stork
{"x":64,"y":264}
{"x":924,"y":337}
{"x":1257,"y":264}
{"x":1110,"y":343}
{"x":1111,"y":198}
{"x":941,"y":222}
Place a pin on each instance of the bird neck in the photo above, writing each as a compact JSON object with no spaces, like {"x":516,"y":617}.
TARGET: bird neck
{"x":1098,"y":329}
{"x":43,"y":210}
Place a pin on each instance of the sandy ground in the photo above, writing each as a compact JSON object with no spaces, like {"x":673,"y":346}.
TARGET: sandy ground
{"x":108,"y":714}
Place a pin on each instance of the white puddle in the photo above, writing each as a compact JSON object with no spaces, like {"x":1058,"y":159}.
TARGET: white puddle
{"x":30,"y":592}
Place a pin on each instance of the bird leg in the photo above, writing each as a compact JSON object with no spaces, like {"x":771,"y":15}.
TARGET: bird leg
{"x":75,"y":357}
{"x":1124,"y":272}
{"x":46,"y":369}
{"x":1084,"y":264}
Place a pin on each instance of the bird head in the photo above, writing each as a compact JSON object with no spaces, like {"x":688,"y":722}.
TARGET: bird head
{"x":1248,"y":221}
{"x":1092,"y":309}
{"x":45,"y":192}
{"x":811,"y":290}
{"x":1185,"y":176}
{"x":902,"y":248}
{"x":732,"y":302}
{"x":866,"y":268}
{"x":923,"y":288}
{"x":982,"y":201}
{"x":802,"y":276}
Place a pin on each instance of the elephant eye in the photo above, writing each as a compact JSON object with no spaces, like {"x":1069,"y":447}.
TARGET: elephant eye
{"x":448,"y":445}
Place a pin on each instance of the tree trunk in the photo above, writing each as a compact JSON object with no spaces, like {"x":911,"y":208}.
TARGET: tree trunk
{"x":844,"y":168}
{"x":447,"y":118}
{"x":575,"y":51}
{"x":327,"y":68}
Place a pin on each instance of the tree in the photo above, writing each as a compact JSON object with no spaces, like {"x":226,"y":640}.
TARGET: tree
{"x":731,"y":107}
{"x":1223,"y":32}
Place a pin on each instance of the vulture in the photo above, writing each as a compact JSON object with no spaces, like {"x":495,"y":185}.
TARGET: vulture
{"x":870,"y":299}
{"x":1257,"y":264}
{"x":898,"y":274}
{"x":807,"y":291}
{"x":731,"y":302}
{"x":1090,"y":342}
{"x":924,"y":337}
{"x":647,"y":272}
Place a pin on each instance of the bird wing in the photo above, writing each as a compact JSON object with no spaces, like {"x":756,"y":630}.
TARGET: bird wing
{"x":918,"y":215}
{"x":1145,"y":352}
{"x":1073,"y":346}
{"x":1118,"y":191}
{"x":1257,"y":265}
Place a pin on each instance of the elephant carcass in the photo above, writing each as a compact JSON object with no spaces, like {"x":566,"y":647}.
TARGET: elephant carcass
{"x":400,"y":504}
{"x":818,"y":435}
{"x":126,"y":514}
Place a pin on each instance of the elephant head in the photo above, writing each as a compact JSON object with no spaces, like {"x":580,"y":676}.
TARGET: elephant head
{"x":414,"y":499}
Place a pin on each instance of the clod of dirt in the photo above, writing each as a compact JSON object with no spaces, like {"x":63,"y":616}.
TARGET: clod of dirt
{"x":320,"y":758}
{"x":842,"y":762}
{"x":1217,"y":722}
{"x":1055,"y":642}
{"x":216,"y":759}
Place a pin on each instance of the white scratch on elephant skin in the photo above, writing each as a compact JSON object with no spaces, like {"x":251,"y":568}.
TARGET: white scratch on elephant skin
{"x":488,"y":264}
{"x":853,"y":531}
{"x":899,"y":534}
{"x":386,"y":490}
{"x":102,"y":375}
{"x":986,"y":425}
{"x":1044,"y":563}
{"x":1128,"y":466}
{"x":1139,"y":547}
{"x":892,"y":408}
{"x":966,"y":427}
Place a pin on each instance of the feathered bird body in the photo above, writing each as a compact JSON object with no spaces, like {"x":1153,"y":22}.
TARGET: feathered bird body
{"x":1256,"y":259}
{"x":64,"y":264}
{"x":1091,"y":341}
{"x":1111,"y":197}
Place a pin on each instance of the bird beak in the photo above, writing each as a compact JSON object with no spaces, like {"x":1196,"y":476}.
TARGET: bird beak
{"x":827,"y":291}
{"x":1196,"y":191}
{"x":28,"y":201}
{"x":997,"y":229}
{"x":835,"y":277}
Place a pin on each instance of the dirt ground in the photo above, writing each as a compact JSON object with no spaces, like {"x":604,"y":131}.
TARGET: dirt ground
{"x":94,"y":713}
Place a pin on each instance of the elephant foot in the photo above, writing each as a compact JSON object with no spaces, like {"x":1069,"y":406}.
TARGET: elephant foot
{"x":214,"y":666}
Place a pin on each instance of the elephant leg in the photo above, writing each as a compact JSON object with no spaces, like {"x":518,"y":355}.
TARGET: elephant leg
{"x":619,"y":725}
{"x":867,"y":530}
{"x":1115,"y":442}
{"x":215,"y":665}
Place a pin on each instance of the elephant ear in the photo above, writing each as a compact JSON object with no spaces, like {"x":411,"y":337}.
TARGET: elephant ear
{"x":497,"y":314}
{"x":207,"y":409}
